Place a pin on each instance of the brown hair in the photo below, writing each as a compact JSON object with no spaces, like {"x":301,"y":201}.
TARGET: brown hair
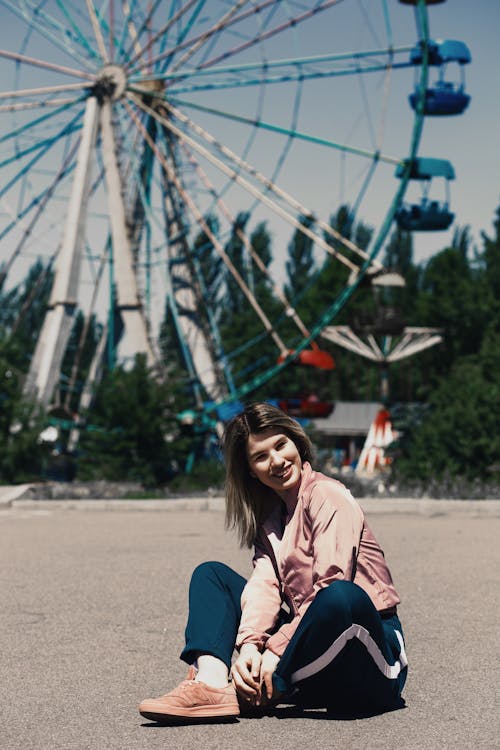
{"x":247,"y":499}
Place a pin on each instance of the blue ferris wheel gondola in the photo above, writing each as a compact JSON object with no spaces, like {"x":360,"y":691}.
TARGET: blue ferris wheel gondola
{"x":443,"y":97}
{"x":429,"y":215}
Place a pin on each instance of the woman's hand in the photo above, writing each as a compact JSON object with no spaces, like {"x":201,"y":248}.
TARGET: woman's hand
{"x":268,"y":665}
{"x":246,"y":672}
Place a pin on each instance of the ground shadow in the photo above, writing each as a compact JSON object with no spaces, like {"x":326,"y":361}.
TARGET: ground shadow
{"x":280,"y":712}
{"x":329,"y":714}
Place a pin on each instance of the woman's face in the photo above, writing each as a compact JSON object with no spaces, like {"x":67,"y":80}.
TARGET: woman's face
{"x":274,"y":460}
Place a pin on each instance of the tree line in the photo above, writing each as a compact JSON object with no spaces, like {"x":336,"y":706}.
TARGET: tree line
{"x":444,"y":401}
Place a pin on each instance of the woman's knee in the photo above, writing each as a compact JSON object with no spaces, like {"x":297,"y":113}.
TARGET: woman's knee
{"x":342,"y":598}
{"x":210,"y":570}
{"x":216,"y":576}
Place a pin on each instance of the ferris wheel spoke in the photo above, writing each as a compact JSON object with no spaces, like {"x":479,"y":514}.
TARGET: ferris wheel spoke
{"x":162,"y":33}
{"x":278,"y":71}
{"x":128,"y":10}
{"x":377,"y":140}
{"x":216,"y":28}
{"x":266,"y":78}
{"x":96,"y":28}
{"x":293,"y":133}
{"x":131,"y":29}
{"x":32,"y":124}
{"x":367,"y":112}
{"x":40,"y":203}
{"x":289,"y":309}
{"x":42,"y":90}
{"x":200,"y":347}
{"x":291,"y":22}
{"x":46,"y":27}
{"x":189,"y":202}
{"x":17,"y":57}
{"x":261,"y":196}
{"x":80,"y":38}
{"x":47,"y":145}
{"x":374,"y":156}
{"x":268,"y":184}
{"x":229,"y":19}
{"x":44,"y":145}
{"x":38,"y":105}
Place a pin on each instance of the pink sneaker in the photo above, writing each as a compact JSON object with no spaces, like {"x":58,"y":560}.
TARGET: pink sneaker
{"x":192,"y":701}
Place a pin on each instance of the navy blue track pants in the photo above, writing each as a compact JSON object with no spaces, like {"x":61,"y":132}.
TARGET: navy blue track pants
{"x":343,"y":655}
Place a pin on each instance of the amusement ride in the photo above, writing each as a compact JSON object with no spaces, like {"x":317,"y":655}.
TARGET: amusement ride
{"x":129,"y":128}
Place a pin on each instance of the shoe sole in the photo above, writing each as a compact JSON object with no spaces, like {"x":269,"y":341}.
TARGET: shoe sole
{"x":189,"y":718}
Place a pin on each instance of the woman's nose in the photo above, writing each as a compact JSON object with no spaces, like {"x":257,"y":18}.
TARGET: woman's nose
{"x":276,"y":458}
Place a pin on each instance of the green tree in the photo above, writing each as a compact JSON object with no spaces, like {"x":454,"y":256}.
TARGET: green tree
{"x":234,"y":298}
{"x":82,"y":343}
{"x":22,"y":455}
{"x":490,"y":263}
{"x":132,"y":431}
{"x":210,"y":265}
{"x":261,"y":242}
{"x":451,"y":299}
{"x":249,"y":348}
{"x":458,"y":437}
{"x":22,"y":311}
{"x":300,"y":263}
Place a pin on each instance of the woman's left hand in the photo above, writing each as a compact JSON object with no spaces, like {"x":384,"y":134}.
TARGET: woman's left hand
{"x":267,"y":668}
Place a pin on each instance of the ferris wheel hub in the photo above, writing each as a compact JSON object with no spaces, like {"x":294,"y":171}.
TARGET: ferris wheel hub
{"x":111,"y":82}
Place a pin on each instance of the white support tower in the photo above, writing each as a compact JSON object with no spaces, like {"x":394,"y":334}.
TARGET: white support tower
{"x":135,"y":337}
{"x":43,"y":376}
{"x":45,"y":366}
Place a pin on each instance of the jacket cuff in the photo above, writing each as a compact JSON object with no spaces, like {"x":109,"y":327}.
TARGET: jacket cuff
{"x":255,"y":638}
{"x":277,"y":643}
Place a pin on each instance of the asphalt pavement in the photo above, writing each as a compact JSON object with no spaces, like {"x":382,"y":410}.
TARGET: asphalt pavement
{"x":93,"y":608}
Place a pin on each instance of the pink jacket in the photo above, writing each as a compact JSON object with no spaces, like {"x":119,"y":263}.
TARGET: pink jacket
{"x":325,"y":539}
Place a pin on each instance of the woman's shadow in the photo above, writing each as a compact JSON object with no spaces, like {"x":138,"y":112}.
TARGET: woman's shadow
{"x":286,"y":712}
{"x":330,"y":713}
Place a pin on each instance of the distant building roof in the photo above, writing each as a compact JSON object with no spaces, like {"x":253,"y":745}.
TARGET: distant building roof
{"x":348,"y":418}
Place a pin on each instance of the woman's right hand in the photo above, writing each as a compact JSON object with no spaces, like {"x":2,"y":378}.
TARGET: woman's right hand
{"x":246,"y":673}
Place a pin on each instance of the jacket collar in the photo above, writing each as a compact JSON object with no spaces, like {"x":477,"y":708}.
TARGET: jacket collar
{"x":273,"y":525}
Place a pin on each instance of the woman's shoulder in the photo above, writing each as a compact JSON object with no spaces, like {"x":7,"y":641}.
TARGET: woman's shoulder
{"x":319,"y":487}
{"x":315,"y":481}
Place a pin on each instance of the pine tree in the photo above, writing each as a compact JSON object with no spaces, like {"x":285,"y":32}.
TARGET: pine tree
{"x":245,"y":340}
{"x":210,"y":265}
{"x":22,"y":311}
{"x":234,"y":298}
{"x":300,"y":263}
{"x":490,"y":260}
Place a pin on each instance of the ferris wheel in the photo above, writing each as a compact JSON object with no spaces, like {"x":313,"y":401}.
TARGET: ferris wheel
{"x":130,"y":128}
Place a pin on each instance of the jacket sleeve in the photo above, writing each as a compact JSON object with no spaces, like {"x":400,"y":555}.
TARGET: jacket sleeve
{"x":260,"y":601}
{"x":336,"y":523}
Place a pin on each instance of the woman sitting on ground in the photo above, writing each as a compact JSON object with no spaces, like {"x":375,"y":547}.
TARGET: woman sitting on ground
{"x":316,"y":624}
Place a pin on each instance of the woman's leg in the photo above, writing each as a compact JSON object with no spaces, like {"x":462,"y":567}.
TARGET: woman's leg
{"x":214,"y":616}
{"x":344,"y":655}
{"x":214,"y":612}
